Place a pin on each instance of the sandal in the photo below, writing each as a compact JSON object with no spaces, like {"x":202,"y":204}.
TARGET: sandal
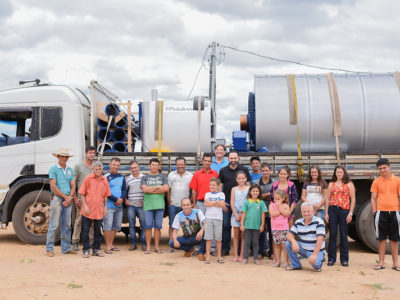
{"x":86,"y":255}
{"x":108,"y":251}
{"x":276,"y":265}
{"x":396,"y":268}
{"x":147,"y":252}
{"x":378,"y":267}
{"x":289,"y":268}
{"x":207,"y":261}
{"x":99,"y":254}
{"x":220,"y":260}
{"x":235,"y":259}
{"x":115,"y":249}
{"x":159,"y":251}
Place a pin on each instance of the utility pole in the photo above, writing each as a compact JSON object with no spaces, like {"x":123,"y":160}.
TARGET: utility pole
{"x":212,"y":87}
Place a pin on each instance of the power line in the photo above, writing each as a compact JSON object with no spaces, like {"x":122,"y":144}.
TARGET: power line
{"x":290,"y":61}
{"x":198,"y":72}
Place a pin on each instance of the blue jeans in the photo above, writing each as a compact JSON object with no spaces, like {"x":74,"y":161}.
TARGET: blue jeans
{"x":227,"y":231}
{"x":98,"y":237}
{"x":294,"y":259}
{"x":134,"y":211}
{"x":337,"y":217}
{"x":186,"y":242}
{"x":172,"y":212}
{"x":59,"y":214}
{"x":153,"y":218}
{"x":113,"y":219}
{"x":321,"y":213}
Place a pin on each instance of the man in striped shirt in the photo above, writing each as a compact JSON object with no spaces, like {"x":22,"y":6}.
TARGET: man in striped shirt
{"x":311,"y":244}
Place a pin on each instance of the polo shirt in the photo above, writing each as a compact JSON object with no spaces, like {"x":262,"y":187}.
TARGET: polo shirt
{"x":201,"y":182}
{"x":228,"y":179}
{"x":308,"y":233}
{"x":387,"y":190}
{"x":63,"y":178}
{"x":218,"y":166}
{"x":179,"y":186}
{"x":95,"y":190}
{"x":253,"y":210}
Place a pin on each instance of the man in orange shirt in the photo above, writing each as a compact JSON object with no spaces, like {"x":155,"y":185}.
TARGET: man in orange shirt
{"x":385,"y":205}
{"x":94,"y":192}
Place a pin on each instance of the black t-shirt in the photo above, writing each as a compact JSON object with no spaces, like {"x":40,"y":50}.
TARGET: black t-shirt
{"x":228,"y":179}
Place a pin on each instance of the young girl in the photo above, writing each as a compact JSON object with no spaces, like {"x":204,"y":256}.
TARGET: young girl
{"x":279,"y":212}
{"x":238,"y":196}
{"x":289,"y":187}
{"x":252,"y":221}
{"x":315,"y":191}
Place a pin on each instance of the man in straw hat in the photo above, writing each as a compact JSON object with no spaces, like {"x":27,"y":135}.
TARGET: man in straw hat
{"x":62,"y":184}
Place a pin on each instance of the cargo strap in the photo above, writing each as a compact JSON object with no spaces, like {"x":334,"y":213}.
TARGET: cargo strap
{"x":396,"y":76}
{"x":100,"y":155}
{"x":294,"y":118}
{"x":337,"y":120}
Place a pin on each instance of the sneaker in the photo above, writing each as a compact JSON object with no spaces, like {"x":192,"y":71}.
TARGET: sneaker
{"x":50,"y":253}
{"x":132,"y":248}
{"x":201,"y":257}
{"x":75,"y":247}
{"x":195,"y":253}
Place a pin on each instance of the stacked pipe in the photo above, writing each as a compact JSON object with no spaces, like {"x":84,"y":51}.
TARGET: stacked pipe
{"x":116,"y":137}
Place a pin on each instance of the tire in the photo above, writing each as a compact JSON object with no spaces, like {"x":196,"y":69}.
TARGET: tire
{"x":29,"y":230}
{"x":365,"y":228}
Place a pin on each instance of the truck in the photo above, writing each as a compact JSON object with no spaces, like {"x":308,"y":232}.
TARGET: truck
{"x":281,"y":128}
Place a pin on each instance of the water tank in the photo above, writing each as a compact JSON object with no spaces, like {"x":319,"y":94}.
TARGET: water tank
{"x":179,"y":122}
{"x":366,"y":109}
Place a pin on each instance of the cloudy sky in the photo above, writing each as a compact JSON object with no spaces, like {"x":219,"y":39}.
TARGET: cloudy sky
{"x":133,"y":46}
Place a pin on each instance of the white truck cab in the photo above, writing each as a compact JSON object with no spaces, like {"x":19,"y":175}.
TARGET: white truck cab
{"x":36,"y":121}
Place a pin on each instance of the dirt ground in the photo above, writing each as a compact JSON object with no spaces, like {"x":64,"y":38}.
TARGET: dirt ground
{"x":27,"y":273}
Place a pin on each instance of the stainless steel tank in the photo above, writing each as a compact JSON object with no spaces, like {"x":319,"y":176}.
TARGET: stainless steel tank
{"x":179,"y":126}
{"x":368,"y":106}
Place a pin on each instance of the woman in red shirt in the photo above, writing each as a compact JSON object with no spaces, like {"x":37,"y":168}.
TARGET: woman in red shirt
{"x":339,"y":212}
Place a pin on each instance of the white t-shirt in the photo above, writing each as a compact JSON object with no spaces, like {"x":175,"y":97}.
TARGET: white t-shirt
{"x":214,"y":212}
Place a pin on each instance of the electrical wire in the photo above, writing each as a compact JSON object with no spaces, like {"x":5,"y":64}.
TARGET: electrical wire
{"x":198,"y":72}
{"x":290,"y":61}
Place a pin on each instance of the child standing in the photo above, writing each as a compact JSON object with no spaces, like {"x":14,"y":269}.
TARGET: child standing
{"x":214,"y":202}
{"x":279,"y":212}
{"x":252,"y":221}
{"x":238,"y":196}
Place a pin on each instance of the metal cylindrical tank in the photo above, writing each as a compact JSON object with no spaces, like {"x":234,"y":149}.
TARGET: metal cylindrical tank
{"x":179,"y":122}
{"x":367,"y":112}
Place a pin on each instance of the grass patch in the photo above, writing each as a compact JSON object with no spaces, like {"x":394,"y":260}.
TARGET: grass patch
{"x":74,"y":286}
{"x":167,"y":263}
{"x":31,"y":260}
{"x":21,"y":261}
{"x":362,"y":273}
{"x":377,"y":286}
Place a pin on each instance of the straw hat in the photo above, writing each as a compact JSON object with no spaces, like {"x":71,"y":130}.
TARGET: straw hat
{"x":62,"y":152}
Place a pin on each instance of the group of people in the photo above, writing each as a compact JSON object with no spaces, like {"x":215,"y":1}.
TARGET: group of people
{"x":207,"y":204}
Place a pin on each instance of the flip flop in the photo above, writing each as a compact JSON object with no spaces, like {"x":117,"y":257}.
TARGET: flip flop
{"x":108,"y":251}
{"x":99,"y":254}
{"x":207,"y":261}
{"x":289,"y":268}
{"x":379,"y":267}
{"x":159,"y":251}
{"x":147,"y":252}
{"x":220,"y":261}
{"x":86,"y":255}
{"x":276,"y":265}
{"x":235,"y":259}
{"x":396,"y":268}
{"x":115,"y":249}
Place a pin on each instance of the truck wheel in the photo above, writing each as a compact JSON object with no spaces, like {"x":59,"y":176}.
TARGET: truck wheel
{"x":365,"y":228}
{"x":31,"y":220}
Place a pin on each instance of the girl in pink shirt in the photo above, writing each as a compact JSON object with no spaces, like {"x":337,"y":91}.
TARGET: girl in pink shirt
{"x":279,"y":212}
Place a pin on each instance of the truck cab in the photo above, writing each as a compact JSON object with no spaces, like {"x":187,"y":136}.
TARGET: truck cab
{"x":36,"y":121}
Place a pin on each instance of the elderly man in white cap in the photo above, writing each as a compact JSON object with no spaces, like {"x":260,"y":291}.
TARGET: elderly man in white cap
{"x":62,"y":184}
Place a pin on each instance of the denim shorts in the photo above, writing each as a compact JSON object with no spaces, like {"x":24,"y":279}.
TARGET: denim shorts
{"x":113,"y":219}
{"x":172,"y":212}
{"x":153,"y":218}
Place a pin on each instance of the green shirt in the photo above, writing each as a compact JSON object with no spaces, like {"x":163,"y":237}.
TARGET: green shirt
{"x":153,"y":201}
{"x":253,"y":210}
